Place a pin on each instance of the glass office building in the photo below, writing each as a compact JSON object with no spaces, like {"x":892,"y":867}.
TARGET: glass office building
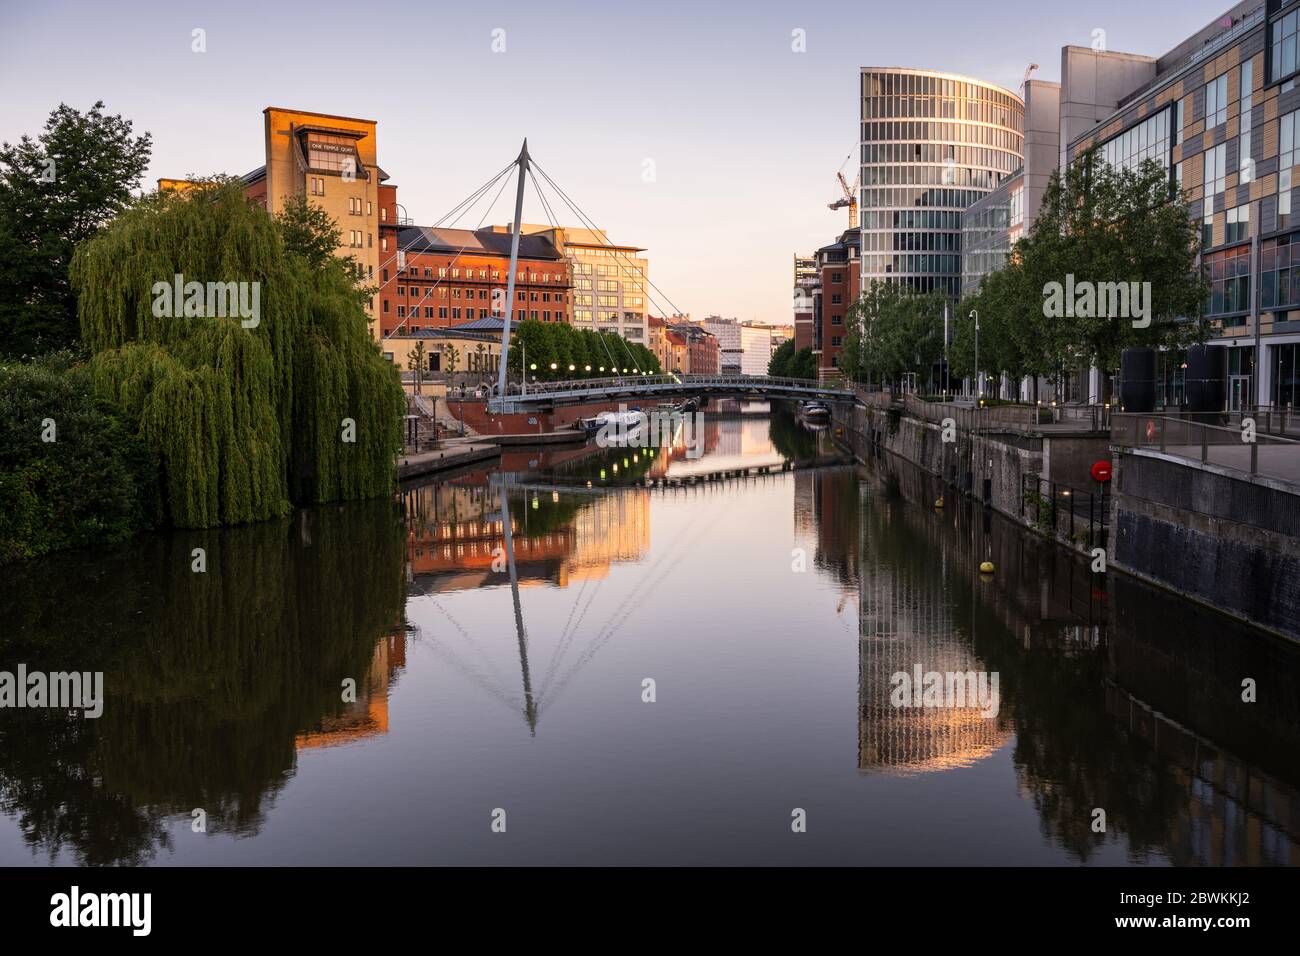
{"x":932,"y":144}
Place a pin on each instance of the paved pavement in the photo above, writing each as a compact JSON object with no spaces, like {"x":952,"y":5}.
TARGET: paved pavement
{"x":448,"y":456}
{"x":1275,"y":461}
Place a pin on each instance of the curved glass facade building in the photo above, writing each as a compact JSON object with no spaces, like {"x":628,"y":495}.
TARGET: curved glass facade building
{"x":932,"y":144}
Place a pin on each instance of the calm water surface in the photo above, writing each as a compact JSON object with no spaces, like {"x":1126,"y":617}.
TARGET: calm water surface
{"x":224,"y":688}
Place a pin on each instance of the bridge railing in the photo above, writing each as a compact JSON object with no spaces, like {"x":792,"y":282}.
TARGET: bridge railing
{"x":630,"y":383}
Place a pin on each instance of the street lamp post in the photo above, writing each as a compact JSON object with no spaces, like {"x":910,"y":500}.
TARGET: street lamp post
{"x":979,"y":382}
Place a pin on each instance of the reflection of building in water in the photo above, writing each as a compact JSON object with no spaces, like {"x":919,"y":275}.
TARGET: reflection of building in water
{"x":1231,"y":813}
{"x":805,"y":524}
{"x":368,"y":715}
{"x":456,"y":534}
{"x":905,"y":619}
{"x":611,"y":529}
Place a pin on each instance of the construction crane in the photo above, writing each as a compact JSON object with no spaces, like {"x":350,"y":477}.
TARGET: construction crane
{"x":850,"y":194}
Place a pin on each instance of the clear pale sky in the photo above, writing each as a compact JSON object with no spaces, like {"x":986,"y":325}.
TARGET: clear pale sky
{"x":744,"y":134}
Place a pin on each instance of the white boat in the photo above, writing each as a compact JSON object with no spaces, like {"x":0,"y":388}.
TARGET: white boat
{"x":814,"y":412}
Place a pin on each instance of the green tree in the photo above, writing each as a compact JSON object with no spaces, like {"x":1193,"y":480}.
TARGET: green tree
{"x":73,"y":472}
{"x":248,"y":416}
{"x":415,"y":358}
{"x":803,"y":365}
{"x":779,"y":366}
{"x":58,"y":190}
{"x":1105,"y":225}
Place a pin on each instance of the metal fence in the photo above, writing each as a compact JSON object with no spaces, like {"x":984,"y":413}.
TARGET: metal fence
{"x":1075,"y":515}
{"x":1248,"y":443}
{"x":984,"y":418}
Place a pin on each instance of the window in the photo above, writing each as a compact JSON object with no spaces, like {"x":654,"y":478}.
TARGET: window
{"x":401,"y":311}
{"x":1284,"y":45}
{"x":1178,"y":122}
{"x":1280,"y":272}
{"x":1149,"y":139}
{"x":1286,"y":139}
{"x":1216,"y":101}
{"x":1247,"y":81}
{"x":1284,"y":199}
{"x":1207,"y":230}
{"x":1229,"y":280}
{"x":1238,"y":224}
{"x":1245,"y":165}
{"x":1215,"y":170}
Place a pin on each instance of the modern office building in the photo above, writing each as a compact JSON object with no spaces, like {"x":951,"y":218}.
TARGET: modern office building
{"x":1221,"y":110}
{"x":931,"y":145}
{"x":730,"y":349}
{"x":992,"y":224}
{"x":756,"y":349}
{"x":807,"y":278}
{"x":609,"y":280}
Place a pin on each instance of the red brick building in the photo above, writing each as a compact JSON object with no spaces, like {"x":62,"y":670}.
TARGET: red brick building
{"x":839,"y":268}
{"x":435,"y":278}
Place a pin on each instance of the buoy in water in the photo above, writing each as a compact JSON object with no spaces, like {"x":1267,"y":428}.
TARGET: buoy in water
{"x":986,"y":567}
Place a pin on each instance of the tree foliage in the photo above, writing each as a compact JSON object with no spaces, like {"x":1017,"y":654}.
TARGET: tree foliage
{"x":592,"y":354}
{"x":72,"y":471}
{"x":246,"y":421}
{"x":57,"y":190}
{"x":1097,"y":225}
{"x":890,"y":332}
{"x":787,"y":363}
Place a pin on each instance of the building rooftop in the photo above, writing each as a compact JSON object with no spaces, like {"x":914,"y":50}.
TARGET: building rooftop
{"x":480,"y":241}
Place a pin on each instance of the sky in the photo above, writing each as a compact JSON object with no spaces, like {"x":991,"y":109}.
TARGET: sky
{"x":693,"y":129}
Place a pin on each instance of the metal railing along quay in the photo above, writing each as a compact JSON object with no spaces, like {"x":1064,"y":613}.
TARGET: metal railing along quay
{"x":1256,"y":452}
{"x":983,"y":418}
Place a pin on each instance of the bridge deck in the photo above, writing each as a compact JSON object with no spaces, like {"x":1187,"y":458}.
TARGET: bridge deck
{"x":656,"y":386}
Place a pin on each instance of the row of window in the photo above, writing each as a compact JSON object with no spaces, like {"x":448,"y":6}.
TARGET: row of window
{"x":920,"y":175}
{"x":912,"y":265}
{"x":911,"y":242}
{"x":521,"y":295}
{"x":455,"y":312}
{"x":878,"y":198}
{"x":912,"y":219}
{"x":929,"y":107}
{"x":936,"y":132}
{"x":940,"y":153}
{"x":910,"y":84}
{"x":443,"y":272}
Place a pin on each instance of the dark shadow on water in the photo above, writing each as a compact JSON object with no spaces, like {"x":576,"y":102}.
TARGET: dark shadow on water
{"x":212,"y":680}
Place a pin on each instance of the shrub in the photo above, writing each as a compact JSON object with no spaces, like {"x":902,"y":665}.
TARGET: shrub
{"x":93,"y":483}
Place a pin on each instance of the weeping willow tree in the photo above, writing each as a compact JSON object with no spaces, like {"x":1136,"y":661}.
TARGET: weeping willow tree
{"x":250,"y":410}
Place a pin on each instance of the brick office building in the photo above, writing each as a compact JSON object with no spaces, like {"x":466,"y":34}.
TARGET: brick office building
{"x":838,"y":289}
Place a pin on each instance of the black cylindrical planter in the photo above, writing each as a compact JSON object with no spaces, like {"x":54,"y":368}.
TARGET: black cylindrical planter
{"x":1207,"y":378}
{"x":1138,"y":379}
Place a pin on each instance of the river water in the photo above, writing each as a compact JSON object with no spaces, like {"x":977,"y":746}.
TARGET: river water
{"x":502,"y":711}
